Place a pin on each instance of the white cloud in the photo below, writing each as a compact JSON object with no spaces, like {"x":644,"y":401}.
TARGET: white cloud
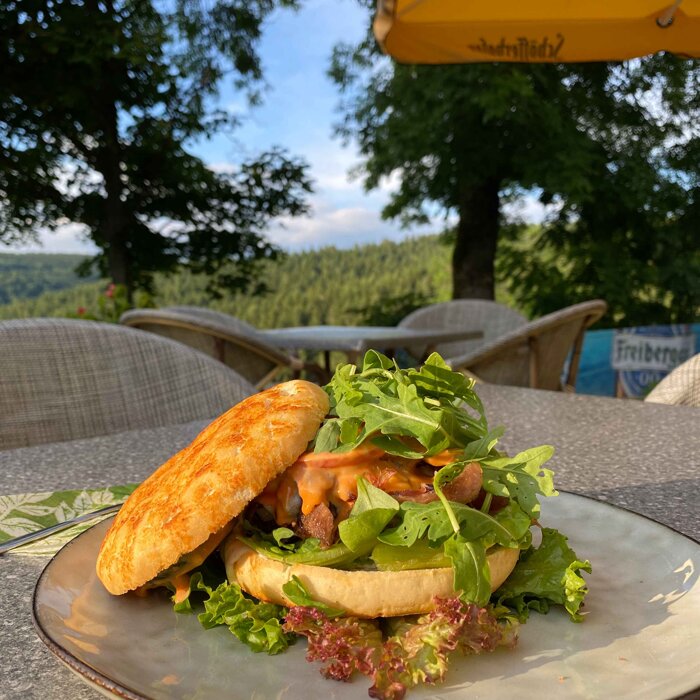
{"x":342,"y":227}
{"x":66,"y":239}
{"x":222,"y":167}
{"x":528,"y":209}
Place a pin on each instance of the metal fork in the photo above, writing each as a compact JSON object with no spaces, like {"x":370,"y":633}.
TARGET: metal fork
{"x":45,"y":532}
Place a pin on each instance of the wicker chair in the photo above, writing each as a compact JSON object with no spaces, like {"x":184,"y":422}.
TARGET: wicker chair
{"x":490,"y":317}
{"x":681,"y":387}
{"x":63,"y":379}
{"x":225,"y":338}
{"x":535,"y":354}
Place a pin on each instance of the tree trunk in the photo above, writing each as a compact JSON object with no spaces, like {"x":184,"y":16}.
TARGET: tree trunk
{"x":114,"y":229}
{"x":475,"y":247}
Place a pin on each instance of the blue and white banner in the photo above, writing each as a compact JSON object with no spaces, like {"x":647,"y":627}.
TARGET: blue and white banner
{"x":644,"y":355}
{"x":631,"y":361}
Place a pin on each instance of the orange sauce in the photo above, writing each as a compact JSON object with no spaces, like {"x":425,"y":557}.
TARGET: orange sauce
{"x":332,"y":478}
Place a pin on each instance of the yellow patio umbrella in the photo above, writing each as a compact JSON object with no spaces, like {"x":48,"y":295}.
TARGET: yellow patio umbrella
{"x":541,"y":31}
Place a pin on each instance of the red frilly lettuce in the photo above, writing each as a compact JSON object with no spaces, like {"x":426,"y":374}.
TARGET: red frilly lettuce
{"x":417,"y":651}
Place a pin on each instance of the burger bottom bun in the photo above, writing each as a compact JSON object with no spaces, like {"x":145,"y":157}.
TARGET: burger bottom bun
{"x":360,"y":593}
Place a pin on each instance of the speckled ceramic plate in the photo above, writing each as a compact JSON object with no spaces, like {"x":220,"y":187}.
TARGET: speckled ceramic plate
{"x":641,"y":638}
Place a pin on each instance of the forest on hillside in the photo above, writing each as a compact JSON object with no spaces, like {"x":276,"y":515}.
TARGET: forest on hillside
{"x":376,"y":283}
{"x":27,"y":276}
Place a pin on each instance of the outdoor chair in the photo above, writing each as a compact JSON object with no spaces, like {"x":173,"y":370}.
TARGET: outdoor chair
{"x":490,"y":317}
{"x":225,"y":338}
{"x":65,"y":379}
{"x":681,"y":387}
{"x":535,"y":354}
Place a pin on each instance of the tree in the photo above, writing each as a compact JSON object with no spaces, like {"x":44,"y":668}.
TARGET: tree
{"x":99,"y":102}
{"x":634,"y":239}
{"x":464,"y":139}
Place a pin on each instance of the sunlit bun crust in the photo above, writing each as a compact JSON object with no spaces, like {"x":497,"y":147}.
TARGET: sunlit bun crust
{"x":201,"y":488}
{"x":361,"y":593}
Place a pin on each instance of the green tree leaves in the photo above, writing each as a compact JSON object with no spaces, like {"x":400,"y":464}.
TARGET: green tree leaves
{"x":98,"y":103}
{"x":613,"y":145}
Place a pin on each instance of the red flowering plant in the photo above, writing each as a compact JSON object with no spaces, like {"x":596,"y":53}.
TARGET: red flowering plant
{"x":112,"y":303}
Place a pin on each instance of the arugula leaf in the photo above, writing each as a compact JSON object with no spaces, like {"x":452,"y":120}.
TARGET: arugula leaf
{"x":521,"y":478}
{"x":549,"y":574}
{"x":516,"y":522}
{"x":374,"y":360}
{"x":328,"y":435}
{"x":384,"y":403}
{"x":471,"y":570}
{"x":369,"y":497}
{"x":436,"y":379}
{"x":443,"y":477}
{"x":370,"y":514}
{"x":295,"y":590}
{"x":256,"y":624}
{"x":482,"y":448}
{"x":400,"y":413}
{"x":507,"y":528}
{"x":307,"y":551}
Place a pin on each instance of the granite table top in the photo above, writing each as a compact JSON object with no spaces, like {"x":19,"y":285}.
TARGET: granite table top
{"x":643,"y":457}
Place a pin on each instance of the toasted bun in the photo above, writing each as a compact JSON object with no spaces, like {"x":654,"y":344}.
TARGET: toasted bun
{"x":200,"y":489}
{"x":361,"y":593}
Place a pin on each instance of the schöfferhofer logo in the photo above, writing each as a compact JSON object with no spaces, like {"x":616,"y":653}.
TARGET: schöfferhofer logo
{"x":521,"y":49}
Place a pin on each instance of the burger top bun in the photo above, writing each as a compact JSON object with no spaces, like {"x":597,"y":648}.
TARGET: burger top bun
{"x":360,"y":593}
{"x":203,"y":487}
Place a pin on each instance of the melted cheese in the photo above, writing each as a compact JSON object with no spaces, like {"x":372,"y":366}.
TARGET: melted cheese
{"x":445,"y":457}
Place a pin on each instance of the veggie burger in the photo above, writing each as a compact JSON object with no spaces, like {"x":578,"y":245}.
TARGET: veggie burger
{"x":313,"y":511}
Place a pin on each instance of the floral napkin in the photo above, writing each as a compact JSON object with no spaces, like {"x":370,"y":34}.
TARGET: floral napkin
{"x":27,"y":512}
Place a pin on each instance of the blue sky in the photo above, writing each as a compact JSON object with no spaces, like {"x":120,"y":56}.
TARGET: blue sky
{"x":298,"y":112}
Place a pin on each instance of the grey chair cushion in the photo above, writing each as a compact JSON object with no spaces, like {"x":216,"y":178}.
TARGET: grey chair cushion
{"x":535,"y":354}
{"x":489,"y":317}
{"x":63,"y":379}
{"x":226,"y":338}
{"x":681,"y":387}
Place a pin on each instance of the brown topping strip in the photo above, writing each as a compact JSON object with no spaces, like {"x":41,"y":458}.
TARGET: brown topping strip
{"x":319,"y":523}
{"x":464,"y":489}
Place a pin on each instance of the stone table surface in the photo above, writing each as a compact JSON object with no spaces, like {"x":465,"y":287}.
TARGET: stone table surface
{"x":643,"y":457}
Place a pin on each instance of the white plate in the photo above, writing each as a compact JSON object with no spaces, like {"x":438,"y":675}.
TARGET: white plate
{"x":640,"y":639}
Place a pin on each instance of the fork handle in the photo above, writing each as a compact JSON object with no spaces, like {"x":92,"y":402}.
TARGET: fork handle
{"x":45,"y":532}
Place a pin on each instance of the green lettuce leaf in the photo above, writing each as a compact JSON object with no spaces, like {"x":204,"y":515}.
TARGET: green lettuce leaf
{"x":546,"y":575}
{"x":256,"y":624}
{"x":295,"y":590}
{"x":419,"y":555}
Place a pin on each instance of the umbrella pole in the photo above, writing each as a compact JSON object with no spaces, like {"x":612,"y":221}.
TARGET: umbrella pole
{"x":665,"y":19}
